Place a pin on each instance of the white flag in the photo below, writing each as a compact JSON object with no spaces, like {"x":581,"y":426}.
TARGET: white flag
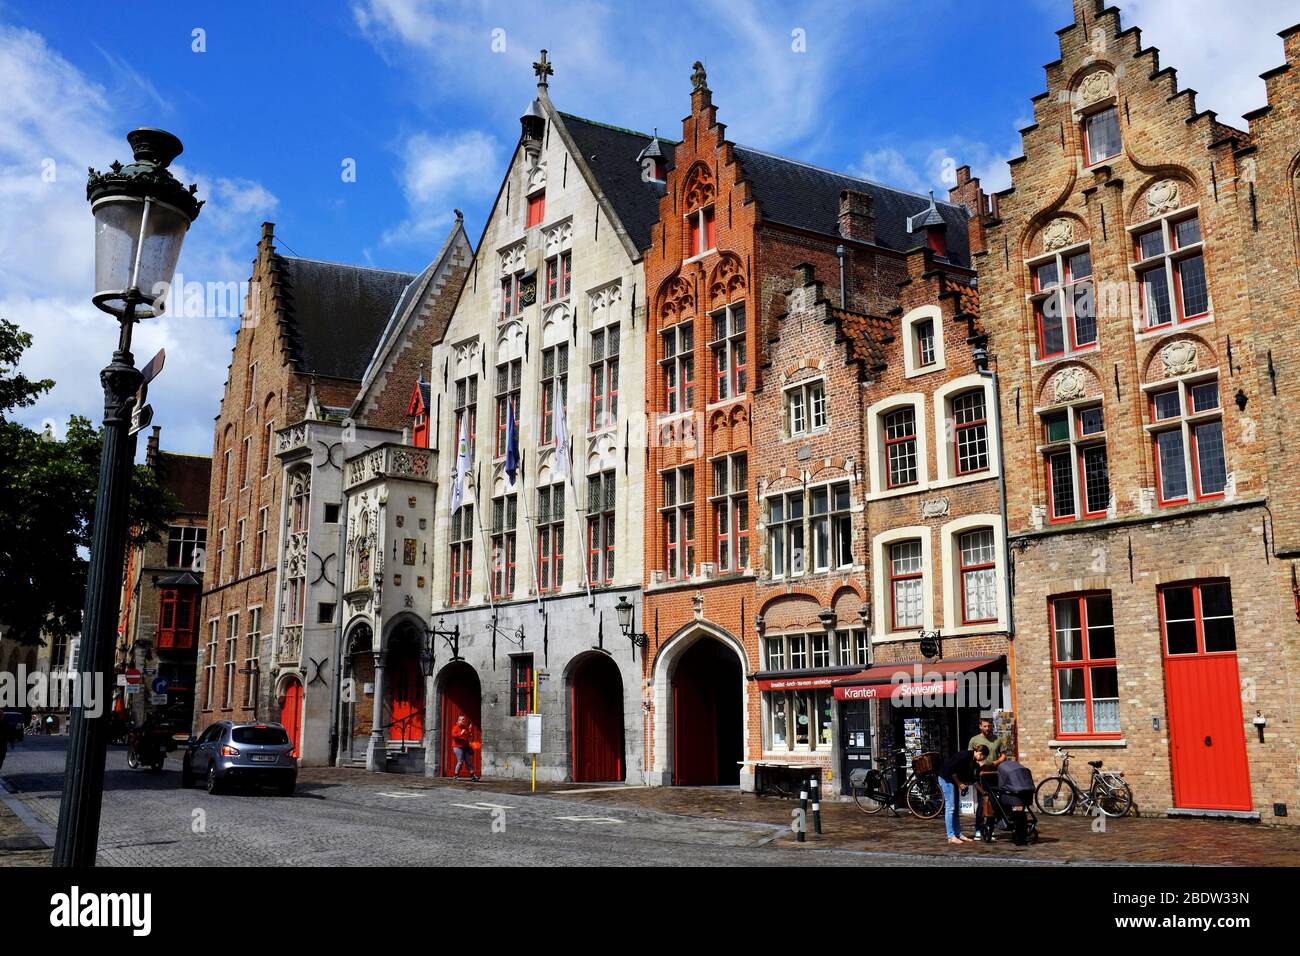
{"x":462,"y":467}
{"x":561,"y":442}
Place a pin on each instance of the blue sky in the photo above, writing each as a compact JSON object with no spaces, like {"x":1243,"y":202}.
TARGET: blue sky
{"x":424,"y":97}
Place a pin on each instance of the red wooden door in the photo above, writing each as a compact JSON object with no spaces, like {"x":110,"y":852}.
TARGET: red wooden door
{"x":407,"y":701}
{"x":460,"y":695}
{"x":291,"y":714}
{"x":597,"y":707}
{"x":1207,"y":739}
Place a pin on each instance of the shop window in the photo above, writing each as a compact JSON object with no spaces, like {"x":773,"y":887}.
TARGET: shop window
{"x":1197,"y":618}
{"x":730,"y":505}
{"x":1101,"y":135}
{"x":678,"y":518}
{"x":798,"y":720}
{"x":1064,"y":302}
{"x":1078,"y":471}
{"x":805,"y":408}
{"x":1171,"y":272}
{"x":678,"y":365}
{"x":1085,"y":678}
{"x":1187,"y":440}
{"x":729,"y":353}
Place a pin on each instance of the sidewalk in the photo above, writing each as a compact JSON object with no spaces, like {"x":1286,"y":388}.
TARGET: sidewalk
{"x":19,"y":846}
{"x":1070,"y":839}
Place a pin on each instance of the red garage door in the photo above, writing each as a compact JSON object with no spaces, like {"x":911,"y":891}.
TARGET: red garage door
{"x":597,"y":702}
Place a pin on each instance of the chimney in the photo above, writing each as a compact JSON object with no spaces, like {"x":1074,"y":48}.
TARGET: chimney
{"x":979,"y":204}
{"x":857,"y":218}
{"x":151,"y":447}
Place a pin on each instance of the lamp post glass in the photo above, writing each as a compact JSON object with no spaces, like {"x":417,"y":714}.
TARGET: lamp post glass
{"x":137,"y":243}
{"x":624,"y":610}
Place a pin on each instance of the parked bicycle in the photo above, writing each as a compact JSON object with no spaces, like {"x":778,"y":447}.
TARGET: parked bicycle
{"x":1107,"y":790}
{"x":920,"y":794}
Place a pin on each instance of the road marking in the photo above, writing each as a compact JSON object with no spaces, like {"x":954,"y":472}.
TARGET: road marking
{"x":483,"y":806}
{"x":590,"y":819}
{"x":398,"y":795}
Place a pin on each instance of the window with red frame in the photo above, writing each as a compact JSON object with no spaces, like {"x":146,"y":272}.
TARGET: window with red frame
{"x":508,"y":379}
{"x":678,"y":517}
{"x":970,"y":432}
{"x":461,"y":564}
{"x":1187,"y":442}
{"x":466,"y":410}
{"x":601,"y":502}
{"x":521,"y":685}
{"x":979,"y":576}
{"x":1078,"y":471}
{"x":1101,"y":135}
{"x":678,"y":366}
{"x":729,"y":353}
{"x":701,"y":232}
{"x":176,"y":610}
{"x":559,"y":276}
{"x":730,"y":504}
{"x":1085,"y":679}
{"x":555,"y":387}
{"x":536,"y":209}
{"x":511,"y":295}
{"x":1064,"y":305}
{"x":1171,"y":271}
{"x":900,"y":447}
{"x":1197,"y":618}
{"x":906,"y":585}
{"x":550,"y":538}
{"x":504,"y":518}
{"x":604,"y":377}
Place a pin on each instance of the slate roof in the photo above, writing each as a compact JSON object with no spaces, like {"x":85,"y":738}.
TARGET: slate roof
{"x":808,"y":197}
{"x":336,"y":313}
{"x":611,"y":153}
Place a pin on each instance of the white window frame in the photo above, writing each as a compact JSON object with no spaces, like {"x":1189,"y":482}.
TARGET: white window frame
{"x":912,"y":366}
{"x":805,"y":387}
{"x":882,"y":627}
{"x":950,"y":538}
{"x":876,"y":445}
{"x":946,"y":459}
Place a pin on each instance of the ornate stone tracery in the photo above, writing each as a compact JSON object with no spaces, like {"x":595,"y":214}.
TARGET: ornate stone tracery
{"x":678,"y":300}
{"x":728,"y":280}
{"x":699,"y":189}
{"x":1058,"y":234}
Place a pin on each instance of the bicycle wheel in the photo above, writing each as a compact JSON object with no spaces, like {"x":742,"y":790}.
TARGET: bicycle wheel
{"x":924,"y":797}
{"x":871,"y":797}
{"x":1112,"y":795}
{"x":1055,"y":796}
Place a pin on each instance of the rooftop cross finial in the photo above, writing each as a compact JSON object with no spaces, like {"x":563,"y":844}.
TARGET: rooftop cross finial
{"x":543,"y":69}
{"x":699,"y":79}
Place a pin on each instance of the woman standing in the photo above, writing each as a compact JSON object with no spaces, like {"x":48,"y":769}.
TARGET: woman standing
{"x":959,"y":772}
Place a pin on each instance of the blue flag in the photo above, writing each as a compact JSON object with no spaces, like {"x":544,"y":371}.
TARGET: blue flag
{"x":512,"y":444}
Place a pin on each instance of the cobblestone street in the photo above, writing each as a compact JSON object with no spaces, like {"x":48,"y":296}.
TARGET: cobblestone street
{"x":347,"y":817}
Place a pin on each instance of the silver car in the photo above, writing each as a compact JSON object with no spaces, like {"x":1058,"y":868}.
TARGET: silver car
{"x":228,"y":753}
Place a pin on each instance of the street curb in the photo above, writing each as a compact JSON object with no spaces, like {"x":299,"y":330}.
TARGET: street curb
{"x":38,"y":826}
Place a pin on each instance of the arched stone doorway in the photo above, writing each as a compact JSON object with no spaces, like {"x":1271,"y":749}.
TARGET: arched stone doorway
{"x":596,"y":720}
{"x":460,"y":693}
{"x":405,"y":680}
{"x":356,"y":713}
{"x":699,"y":724}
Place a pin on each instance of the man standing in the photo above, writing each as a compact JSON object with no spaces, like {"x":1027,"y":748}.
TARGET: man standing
{"x":997,"y":748}
{"x":462,"y":736}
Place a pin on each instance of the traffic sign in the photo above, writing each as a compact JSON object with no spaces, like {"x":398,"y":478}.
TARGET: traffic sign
{"x":160,"y":686}
{"x":132,"y":676}
{"x":141,"y":417}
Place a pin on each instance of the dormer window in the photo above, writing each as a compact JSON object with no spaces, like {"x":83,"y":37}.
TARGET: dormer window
{"x":536,"y":209}
{"x":701,"y":231}
{"x":1101,"y":135}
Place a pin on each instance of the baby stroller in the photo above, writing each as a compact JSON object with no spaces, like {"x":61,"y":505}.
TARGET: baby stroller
{"x":1009,"y":795}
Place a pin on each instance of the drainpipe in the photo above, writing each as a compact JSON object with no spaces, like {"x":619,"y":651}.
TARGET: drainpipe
{"x":842,"y":252}
{"x":981,"y":355}
{"x":336,"y":701}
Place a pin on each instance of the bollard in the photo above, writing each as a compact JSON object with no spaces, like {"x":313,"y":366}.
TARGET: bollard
{"x":816,"y":805}
{"x":802,"y":835}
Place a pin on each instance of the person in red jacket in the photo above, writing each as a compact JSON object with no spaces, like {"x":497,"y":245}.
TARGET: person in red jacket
{"x":462,"y":737}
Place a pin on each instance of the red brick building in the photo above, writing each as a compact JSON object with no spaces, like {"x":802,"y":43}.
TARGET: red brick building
{"x":1137,"y":281}
{"x":740,"y":406}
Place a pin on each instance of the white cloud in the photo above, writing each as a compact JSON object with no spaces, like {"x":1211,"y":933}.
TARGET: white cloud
{"x":56,"y":122}
{"x":925,"y":166}
{"x":1219,"y":49}
{"x":438,"y":172}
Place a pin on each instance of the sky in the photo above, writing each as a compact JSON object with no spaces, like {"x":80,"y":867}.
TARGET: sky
{"x":278,"y":103}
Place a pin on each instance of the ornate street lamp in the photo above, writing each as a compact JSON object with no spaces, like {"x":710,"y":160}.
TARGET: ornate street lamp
{"x":627,"y":622}
{"x":141,"y":216}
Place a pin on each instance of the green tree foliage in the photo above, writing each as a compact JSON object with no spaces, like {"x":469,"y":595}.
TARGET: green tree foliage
{"x":47,"y":504}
